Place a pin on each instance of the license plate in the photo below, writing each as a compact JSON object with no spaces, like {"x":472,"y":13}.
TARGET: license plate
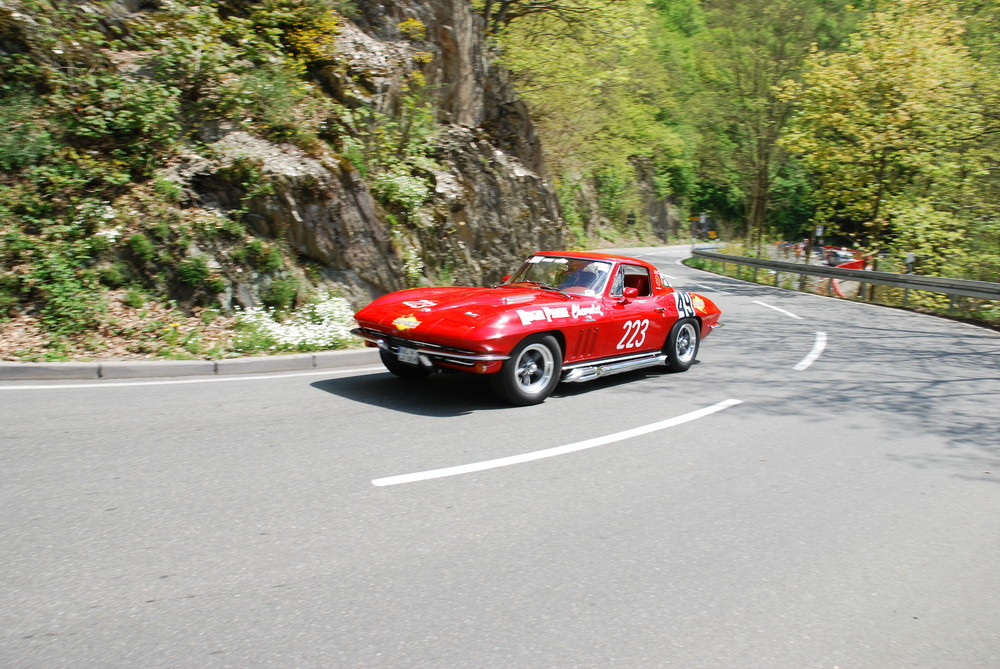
{"x":408,"y":355}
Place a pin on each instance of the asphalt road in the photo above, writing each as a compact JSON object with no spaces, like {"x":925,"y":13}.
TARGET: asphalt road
{"x":844,"y":513}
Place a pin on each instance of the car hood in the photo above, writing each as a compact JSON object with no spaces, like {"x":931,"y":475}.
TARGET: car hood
{"x":427,"y":308}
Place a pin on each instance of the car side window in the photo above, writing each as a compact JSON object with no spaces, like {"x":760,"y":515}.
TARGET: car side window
{"x":638,"y":278}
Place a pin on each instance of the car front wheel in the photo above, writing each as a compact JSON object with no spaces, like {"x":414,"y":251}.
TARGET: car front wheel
{"x":531,"y":373}
{"x":682,"y":345}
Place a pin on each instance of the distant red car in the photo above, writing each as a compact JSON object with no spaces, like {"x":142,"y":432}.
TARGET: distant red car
{"x":562,"y":316}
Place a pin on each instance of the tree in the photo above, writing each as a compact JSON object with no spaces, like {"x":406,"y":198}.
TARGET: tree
{"x":889,"y":129}
{"x":747,"y":49}
{"x":498,"y":14}
{"x":600,"y":97}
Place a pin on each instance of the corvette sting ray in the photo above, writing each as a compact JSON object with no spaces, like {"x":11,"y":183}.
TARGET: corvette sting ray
{"x":561,"y":317}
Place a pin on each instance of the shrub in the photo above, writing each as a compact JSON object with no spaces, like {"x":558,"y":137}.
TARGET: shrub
{"x":265,"y":257}
{"x":216,"y":283}
{"x":402,"y":189}
{"x":281,"y":293}
{"x":170,"y":190}
{"x":233,"y":228}
{"x":193,"y":271}
{"x":69,"y":305}
{"x":142,"y":247}
{"x":25,"y":139}
{"x":9,"y":297}
{"x":135,"y":297}
{"x":413,"y":28}
{"x":131,"y":119}
{"x":113,"y":275}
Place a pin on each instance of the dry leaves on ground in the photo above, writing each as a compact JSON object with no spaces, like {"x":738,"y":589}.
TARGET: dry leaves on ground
{"x":152,"y":331}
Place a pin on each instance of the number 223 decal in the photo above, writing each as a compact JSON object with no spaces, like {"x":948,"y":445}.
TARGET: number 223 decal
{"x":635,"y":334}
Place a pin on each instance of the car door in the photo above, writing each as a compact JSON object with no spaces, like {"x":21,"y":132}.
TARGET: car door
{"x":638,"y":324}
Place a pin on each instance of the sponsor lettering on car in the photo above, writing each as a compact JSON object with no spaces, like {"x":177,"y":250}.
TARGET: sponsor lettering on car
{"x":547,"y":314}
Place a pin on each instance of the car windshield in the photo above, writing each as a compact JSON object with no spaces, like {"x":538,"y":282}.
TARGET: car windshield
{"x":570,"y":275}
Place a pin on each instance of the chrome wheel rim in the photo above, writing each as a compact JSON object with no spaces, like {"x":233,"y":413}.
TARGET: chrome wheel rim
{"x":685,"y":343}
{"x":535,"y":367}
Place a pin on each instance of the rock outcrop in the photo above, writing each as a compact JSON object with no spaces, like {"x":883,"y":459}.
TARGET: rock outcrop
{"x":490,"y":203}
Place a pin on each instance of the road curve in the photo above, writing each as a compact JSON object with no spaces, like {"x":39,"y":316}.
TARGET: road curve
{"x":841,"y":508}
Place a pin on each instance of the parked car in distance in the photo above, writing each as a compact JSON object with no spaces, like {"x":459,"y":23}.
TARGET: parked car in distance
{"x":836,"y":257}
{"x":562,"y":316}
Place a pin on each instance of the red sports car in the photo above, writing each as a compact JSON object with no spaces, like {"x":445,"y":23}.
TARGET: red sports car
{"x":562,"y":316}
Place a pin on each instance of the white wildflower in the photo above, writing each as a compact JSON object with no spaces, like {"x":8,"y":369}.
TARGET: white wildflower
{"x":320,"y":325}
{"x":111,"y":234}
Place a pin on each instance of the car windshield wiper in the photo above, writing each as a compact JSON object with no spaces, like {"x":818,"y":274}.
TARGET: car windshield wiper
{"x":545,"y":286}
{"x":536,"y":284}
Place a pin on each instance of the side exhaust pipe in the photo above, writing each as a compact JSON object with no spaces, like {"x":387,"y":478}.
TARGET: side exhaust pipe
{"x":591,"y":372}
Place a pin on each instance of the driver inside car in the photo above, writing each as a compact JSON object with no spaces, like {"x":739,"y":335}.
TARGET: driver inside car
{"x":582,"y":281}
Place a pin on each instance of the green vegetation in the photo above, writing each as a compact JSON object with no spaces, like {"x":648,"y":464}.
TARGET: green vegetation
{"x":602,"y":99}
{"x":876,"y":120}
{"x":899,"y":131}
{"x":95,"y":104}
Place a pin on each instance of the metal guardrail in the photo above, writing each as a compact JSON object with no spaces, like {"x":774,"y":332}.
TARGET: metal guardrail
{"x":985,"y":290}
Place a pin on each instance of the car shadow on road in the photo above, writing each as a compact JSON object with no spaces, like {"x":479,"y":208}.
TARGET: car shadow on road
{"x":628,"y":380}
{"x":440,"y":395}
{"x":444,"y":395}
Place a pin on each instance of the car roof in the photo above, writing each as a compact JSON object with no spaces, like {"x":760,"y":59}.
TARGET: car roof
{"x":592,"y":255}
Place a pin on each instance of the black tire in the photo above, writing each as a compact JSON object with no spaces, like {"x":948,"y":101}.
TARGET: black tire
{"x":681,"y":348}
{"x":531,"y":373}
{"x":401,"y":369}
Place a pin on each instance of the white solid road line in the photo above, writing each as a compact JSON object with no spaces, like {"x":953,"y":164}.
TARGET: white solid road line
{"x":332,"y":371}
{"x":779,"y":309}
{"x":816,"y":351}
{"x":552,"y":452}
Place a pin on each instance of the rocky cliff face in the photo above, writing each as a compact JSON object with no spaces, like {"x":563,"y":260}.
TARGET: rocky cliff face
{"x":490,"y":202}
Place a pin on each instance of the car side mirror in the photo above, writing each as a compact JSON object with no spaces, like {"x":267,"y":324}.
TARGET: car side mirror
{"x":630,"y":294}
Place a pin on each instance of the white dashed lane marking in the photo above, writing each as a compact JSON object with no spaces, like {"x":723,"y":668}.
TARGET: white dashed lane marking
{"x":814,"y":354}
{"x":778,"y":309}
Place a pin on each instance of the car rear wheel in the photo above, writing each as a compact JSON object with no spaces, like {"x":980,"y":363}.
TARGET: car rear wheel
{"x":682,"y":345}
{"x":401,"y":369}
{"x":531,"y":373}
